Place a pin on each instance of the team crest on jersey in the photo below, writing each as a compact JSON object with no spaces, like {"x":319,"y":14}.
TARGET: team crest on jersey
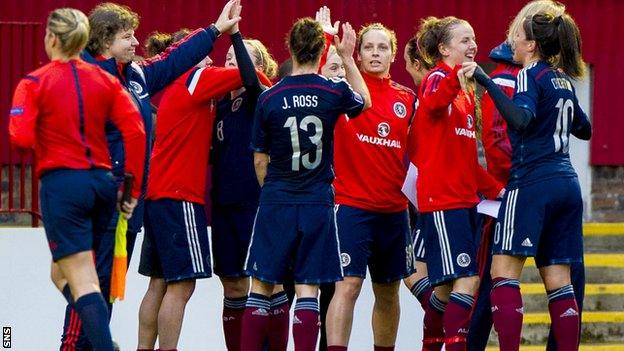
{"x":383,"y":129}
{"x":138,"y":89}
{"x":469,"y":121}
{"x":236,"y":104}
{"x":400,"y":110}
{"x":463,"y":259}
{"x":345,"y":259}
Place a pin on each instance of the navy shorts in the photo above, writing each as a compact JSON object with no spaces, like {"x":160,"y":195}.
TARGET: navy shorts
{"x":451,"y":243}
{"x":418,"y":240}
{"x":294,"y":237}
{"x":542,"y":220}
{"x":175,"y":244}
{"x":381,"y":241}
{"x":231,"y":233}
{"x":76,"y":206}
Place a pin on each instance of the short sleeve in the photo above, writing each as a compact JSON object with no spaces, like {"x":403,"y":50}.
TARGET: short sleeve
{"x":259,"y":132}
{"x":351,"y":102}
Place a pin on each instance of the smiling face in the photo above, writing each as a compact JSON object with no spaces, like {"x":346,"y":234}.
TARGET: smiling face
{"x":375,"y":54}
{"x":462,"y":47}
{"x":123,"y":47}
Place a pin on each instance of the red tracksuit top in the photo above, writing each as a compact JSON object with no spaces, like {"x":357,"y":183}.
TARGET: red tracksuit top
{"x":494,"y":133}
{"x":185,"y":118}
{"x":443,"y":146}
{"x":61,"y":109}
{"x":370,"y":151}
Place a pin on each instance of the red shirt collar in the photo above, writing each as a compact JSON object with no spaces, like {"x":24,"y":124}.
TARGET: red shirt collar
{"x":372,"y":81}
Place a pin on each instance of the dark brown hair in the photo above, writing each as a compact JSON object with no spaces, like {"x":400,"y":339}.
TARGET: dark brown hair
{"x":306,"y":41}
{"x":558,"y":40}
{"x":106,"y":20}
{"x":434,"y":31}
{"x":414,"y":53}
{"x":158,"y":42}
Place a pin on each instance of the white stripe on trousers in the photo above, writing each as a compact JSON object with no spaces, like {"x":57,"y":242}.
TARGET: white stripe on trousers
{"x":510,"y":214}
{"x":191,"y":237}
{"x":336,"y":207}
{"x":253,"y":231}
{"x":445,"y":249}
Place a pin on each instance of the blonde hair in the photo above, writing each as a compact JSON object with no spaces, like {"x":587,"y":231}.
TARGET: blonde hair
{"x":263,"y":58}
{"x":71,"y":26}
{"x":378,"y":26}
{"x":549,"y":6}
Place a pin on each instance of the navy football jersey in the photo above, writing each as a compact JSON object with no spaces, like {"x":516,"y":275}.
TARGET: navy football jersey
{"x":541,"y":150}
{"x":233,"y":176}
{"x":294,"y":123}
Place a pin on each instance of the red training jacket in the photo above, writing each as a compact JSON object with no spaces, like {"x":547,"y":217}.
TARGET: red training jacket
{"x":370,"y":150}
{"x":185,"y":118}
{"x":61,"y":109}
{"x":445,"y":149}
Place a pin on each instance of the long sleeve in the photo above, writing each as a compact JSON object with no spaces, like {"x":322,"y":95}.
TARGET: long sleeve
{"x":245,"y":65}
{"x":127,"y":119}
{"x":440,"y":91}
{"x":23,"y":115}
{"x":486,"y":184}
{"x":515,"y":116}
{"x":163,"y":69}
{"x":328,"y":41}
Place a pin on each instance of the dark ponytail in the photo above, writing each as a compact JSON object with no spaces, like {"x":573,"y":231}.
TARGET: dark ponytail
{"x":558,"y":40}
{"x":306,"y":41}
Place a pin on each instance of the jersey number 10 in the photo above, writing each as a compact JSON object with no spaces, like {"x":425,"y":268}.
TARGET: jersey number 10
{"x":315,"y":139}
{"x":564,"y":119}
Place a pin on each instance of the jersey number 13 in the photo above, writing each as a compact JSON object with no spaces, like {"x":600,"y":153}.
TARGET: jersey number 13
{"x":315,"y":139}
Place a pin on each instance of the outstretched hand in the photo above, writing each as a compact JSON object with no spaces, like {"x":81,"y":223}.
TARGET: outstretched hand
{"x":229,"y":17}
{"x":323,"y":16}
{"x":346,"y":45}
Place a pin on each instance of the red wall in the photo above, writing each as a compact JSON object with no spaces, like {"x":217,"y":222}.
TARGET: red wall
{"x":269,"y":20}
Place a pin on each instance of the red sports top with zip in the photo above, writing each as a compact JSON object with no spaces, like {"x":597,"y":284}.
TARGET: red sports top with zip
{"x":61,"y":110}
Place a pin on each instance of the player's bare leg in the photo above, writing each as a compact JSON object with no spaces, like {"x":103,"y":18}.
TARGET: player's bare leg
{"x":171,"y":313}
{"x":340,"y":313}
{"x":79,"y":271}
{"x":386,"y":313}
{"x":148,"y":313}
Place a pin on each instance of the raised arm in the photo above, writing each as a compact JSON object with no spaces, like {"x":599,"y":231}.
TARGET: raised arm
{"x":159,"y":71}
{"x":345,"y":48}
{"x":245,"y":64}
{"x":323,"y":17}
{"x":516,"y":117}
{"x":440,"y":91}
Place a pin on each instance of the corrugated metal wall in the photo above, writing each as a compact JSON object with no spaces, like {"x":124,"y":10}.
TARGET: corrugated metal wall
{"x":20,"y":55}
{"x":268,"y":20}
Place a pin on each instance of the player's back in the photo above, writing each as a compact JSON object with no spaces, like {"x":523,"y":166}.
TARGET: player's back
{"x":294,"y":124}
{"x":541,"y":150}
